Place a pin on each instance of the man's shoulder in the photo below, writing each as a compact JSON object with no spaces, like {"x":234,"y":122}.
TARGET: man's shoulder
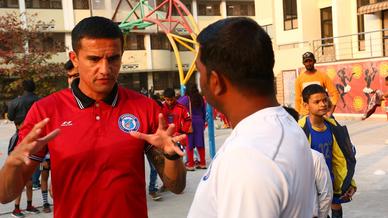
{"x":55,"y":97}
{"x":128,"y":96}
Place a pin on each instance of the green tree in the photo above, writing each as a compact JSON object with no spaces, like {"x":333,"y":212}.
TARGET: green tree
{"x":19,"y":62}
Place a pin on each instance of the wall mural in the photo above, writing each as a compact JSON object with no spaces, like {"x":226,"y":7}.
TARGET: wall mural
{"x":355,"y":83}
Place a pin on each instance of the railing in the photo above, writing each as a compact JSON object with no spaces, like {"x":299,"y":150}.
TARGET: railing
{"x":371,"y":44}
{"x":354,"y":46}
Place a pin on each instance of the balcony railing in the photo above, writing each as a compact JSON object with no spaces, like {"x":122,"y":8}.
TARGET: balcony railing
{"x":371,"y":44}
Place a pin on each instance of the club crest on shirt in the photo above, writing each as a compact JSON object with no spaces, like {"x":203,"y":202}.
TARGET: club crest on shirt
{"x":128,"y":123}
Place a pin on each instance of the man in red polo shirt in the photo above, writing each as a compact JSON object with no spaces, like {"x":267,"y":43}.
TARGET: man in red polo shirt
{"x":96,"y":134}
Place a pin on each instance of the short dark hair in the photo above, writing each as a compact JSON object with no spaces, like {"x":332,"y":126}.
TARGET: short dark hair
{"x":311,"y":90}
{"x":95,"y":28}
{"x":169,"y":93}
{"x":28,"y":85}
{"x":386,"y":78}
{"x":69,"y":65}
{"x":241,"y":50}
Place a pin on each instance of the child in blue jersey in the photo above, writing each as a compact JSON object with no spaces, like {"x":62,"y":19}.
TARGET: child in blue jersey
{"x":327,"y":137}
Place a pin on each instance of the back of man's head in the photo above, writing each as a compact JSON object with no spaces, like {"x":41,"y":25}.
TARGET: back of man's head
{"x":95,"y":28}
{"x":28,"y":85}
{"x":241,"y":50}
{"x":311,"y":90}
{"x":169,"y":93}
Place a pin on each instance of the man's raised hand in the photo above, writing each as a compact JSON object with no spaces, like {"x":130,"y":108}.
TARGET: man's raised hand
{"x":31,"y":144}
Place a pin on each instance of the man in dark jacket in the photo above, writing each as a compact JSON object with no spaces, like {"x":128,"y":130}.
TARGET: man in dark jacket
{"x":17,"y":111}
{"x":19,"y":106}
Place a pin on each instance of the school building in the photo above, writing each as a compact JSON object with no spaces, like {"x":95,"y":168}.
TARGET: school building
{"x":348,"y":37}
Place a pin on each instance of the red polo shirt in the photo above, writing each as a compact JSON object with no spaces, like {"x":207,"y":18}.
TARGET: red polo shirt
{"x":97,"y":167}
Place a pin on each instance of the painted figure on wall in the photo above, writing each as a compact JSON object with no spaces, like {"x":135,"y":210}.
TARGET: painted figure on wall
{"x":369,"y":77}
{"x":343,"y":87}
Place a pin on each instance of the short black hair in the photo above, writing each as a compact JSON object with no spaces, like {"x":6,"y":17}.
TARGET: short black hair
{"x":69,"y":65}
{"x":28,"y":85}
{"x":95,"y":28}
{"x":241,"y":50}
{"x":169,"y":93}
{"x":311,"y":90}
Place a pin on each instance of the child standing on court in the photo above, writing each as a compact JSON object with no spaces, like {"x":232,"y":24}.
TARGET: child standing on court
{"x":332,"y":140}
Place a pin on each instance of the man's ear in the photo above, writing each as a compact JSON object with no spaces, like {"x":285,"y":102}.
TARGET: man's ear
{"x":73,"y":58}
{"x":306,"y":106}
{"x":217,"y":83}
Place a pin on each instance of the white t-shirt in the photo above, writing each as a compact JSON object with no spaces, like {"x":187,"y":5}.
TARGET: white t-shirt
{"x":324,"y":188}
{"x":264,"y":169}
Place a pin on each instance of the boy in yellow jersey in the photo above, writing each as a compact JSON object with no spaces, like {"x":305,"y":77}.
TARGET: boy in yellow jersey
{"x":313,"y":76}
{"x":332,"y":140}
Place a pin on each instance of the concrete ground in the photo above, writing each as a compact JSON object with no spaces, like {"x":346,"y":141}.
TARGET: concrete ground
{"x":371,"y":175}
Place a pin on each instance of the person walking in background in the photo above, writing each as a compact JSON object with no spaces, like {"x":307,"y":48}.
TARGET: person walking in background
{"x":71,"y":72}
{"x":265,"y":167}
{"x":312,"y":76}
{"x":332,"y":140}
{"x":17,"y":112}
{"x":196,"y":106}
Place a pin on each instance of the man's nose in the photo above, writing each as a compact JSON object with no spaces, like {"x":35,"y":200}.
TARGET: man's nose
{"x":104,"y":66}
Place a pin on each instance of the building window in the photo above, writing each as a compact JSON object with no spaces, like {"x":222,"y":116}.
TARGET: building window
{"x":361,"y":3}
{"x":188,"y":6}
{"x":133,"y":42}
{"x":160,"y":42}
{"x":44,"y":4}
{"x":163,"y":80}
{"x":208,"y":8}
{"x":290,"y":15}
{"x":164,"y":8}
{"x":134,"y":81}
{"x":48,"y":42}
{"x":9,"y":4}
{"x":326,"y":26}
{"x":81,"y":4}
{"x":361,"y":29}
{"x":98,"y":4}
{"x":243,"y":8}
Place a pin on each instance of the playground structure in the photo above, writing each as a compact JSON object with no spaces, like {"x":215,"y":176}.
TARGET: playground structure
{"x":180,"y":29}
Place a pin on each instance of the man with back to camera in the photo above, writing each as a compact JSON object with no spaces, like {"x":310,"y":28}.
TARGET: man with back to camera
{"x":95,"y":132}
{"x":265,"y":167}
{"x":313,"y":76}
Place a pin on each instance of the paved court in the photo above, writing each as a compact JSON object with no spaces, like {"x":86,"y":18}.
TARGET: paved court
{"x":371,"y":175}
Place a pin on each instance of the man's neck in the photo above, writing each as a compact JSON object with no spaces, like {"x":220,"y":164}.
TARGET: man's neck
{"x":317,"y":121}
{"x":247,"y":105}
{"x":311,"y":71}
